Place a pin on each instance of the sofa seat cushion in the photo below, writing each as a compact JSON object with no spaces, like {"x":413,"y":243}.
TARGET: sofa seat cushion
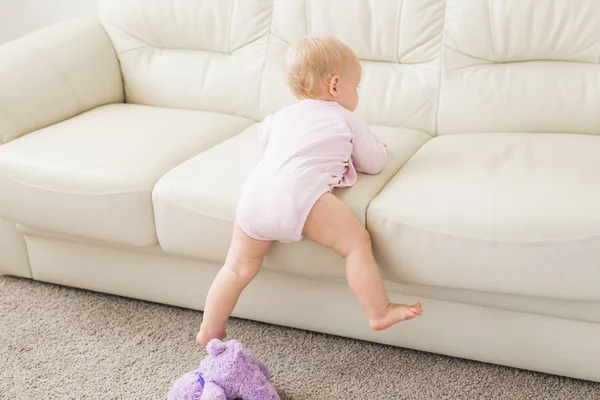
{"x":195,"y":203}
{"x":507,"y":213}
{"x":93,"y":175}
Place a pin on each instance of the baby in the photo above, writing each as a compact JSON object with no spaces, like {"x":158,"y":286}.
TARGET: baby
{"x":312,"y":147}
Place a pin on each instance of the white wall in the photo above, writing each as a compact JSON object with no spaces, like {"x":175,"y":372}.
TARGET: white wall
{"x":19,"y":17}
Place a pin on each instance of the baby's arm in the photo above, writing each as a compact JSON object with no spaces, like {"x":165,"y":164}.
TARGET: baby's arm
{"x":369,"y":154}
{"x":264,"y":131}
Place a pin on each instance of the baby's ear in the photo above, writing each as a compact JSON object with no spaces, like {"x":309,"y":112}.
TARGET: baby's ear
{"x":334,"y":86}
{"x":215,"y":347}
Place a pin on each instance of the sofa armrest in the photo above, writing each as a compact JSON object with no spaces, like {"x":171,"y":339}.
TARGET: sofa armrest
{"x":54,"y":74}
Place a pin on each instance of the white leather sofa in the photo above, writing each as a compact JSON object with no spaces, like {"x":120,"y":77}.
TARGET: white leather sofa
{"x":126,"y":141}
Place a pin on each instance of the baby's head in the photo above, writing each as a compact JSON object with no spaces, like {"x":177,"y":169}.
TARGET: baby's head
{"x":324,"y":69}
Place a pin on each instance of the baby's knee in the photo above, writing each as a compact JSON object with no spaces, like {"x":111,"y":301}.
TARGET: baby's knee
{"x":362,"y":239}
{"x":242,"y":267}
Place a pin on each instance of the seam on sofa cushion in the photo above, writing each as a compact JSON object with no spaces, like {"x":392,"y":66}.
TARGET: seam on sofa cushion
{"x":262,"y":75}
{"x":117,"y":192}
{"x":441,"y":74}
{"x":229,"y":25}
{"x":158,"y":197}
{"x":374,"y":213}
{"x":398,"y":26}
{"x":133,"y":49}
{"x":51,"y":62}
{"x":492,"y":30}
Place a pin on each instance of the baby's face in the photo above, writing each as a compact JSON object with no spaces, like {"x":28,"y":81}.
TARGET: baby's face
{"x":348,"y":86}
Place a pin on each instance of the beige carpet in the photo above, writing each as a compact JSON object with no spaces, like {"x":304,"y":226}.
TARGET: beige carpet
{"x":61,"y":343}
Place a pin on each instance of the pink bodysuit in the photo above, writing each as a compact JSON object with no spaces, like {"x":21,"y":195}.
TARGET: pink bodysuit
{"x":311,"y":148}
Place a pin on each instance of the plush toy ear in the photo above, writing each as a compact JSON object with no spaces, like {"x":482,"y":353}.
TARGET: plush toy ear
{"x":212,"y":391}
{"x":264,"y":370}
{"x":215,"y":347}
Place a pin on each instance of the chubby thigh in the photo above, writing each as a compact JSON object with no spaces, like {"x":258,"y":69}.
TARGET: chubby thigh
{"x":331,"y":224}
{"x":246,"y":251}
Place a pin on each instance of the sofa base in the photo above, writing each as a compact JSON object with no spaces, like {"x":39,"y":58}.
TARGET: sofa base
{"x":523,"y":340}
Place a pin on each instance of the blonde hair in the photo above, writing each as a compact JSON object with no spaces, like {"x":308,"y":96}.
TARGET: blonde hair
{"x":313,"y":61}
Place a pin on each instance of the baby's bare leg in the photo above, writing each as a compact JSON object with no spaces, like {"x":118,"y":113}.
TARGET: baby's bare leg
{"x":244,"y":259}
{"x":331,"y":224}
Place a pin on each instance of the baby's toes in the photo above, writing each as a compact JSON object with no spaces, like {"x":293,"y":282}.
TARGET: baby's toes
{"x":417,"y":307}
{"x":416,"y":310}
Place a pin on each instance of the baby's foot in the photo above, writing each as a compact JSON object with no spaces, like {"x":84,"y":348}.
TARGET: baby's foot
{"x":203,"y":337}
{"x":395,"y":313}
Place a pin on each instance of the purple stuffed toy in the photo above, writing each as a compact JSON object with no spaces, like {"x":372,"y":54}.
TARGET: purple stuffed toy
{"x":230,"y":371}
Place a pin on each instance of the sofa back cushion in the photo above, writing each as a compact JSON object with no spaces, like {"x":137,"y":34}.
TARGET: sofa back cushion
{"x":521,"y":66}
{"x":192,"y":54}
{"x":227,"y":55}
